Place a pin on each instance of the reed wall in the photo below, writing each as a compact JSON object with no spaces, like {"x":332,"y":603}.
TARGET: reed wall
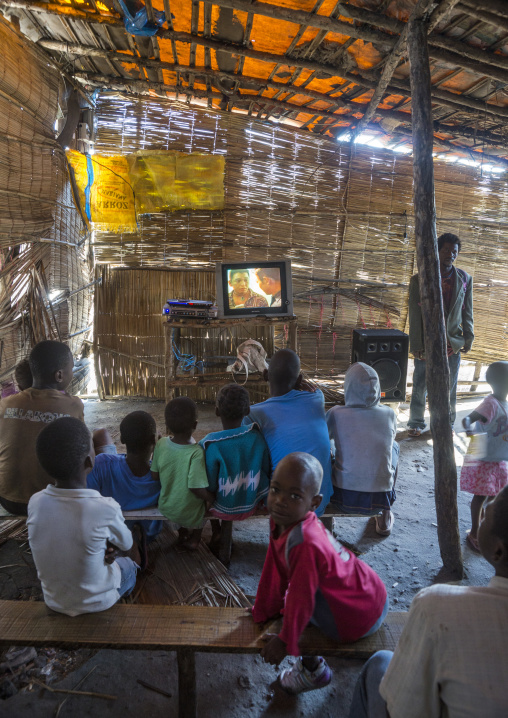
{"x":343,"y":215}
{"x":42,"y":244}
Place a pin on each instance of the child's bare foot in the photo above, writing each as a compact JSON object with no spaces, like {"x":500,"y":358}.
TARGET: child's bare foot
{"x":193,"y":540}
{"x":472,"y":542}
{"x":183,"y":535}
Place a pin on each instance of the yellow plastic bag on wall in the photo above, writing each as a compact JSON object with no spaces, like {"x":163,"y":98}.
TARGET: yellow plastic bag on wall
{"x":105,"y":191}
{"x":167,"y":181}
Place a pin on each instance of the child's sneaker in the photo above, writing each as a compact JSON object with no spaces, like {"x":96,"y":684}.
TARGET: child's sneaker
{"x":299,"y":679}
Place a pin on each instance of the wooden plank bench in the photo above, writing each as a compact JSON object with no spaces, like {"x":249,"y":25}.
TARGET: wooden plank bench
{"x":184,"y":629}
{"x":226,"y":542}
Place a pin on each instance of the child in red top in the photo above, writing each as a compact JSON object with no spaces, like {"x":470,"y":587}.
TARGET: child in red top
{"x":308,"y":576}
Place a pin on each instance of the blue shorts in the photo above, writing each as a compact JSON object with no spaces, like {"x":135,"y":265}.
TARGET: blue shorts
{"x":129,"y":570}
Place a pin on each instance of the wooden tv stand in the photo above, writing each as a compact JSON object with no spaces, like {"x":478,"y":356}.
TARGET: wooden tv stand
{"x":172,"y":334}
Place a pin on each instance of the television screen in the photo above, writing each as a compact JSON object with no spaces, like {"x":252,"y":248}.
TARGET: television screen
{"x":250,"y":288}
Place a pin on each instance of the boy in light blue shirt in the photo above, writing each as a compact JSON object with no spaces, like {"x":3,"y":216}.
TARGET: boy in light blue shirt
{"x":293,"y":418}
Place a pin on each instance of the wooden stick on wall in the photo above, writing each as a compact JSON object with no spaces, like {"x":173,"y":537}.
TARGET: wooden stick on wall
{"x":438,"y":374}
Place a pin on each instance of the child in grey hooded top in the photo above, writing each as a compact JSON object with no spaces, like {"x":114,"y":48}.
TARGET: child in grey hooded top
{"x":366,"y":453}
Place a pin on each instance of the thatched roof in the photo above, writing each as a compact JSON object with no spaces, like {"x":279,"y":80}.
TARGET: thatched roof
{"x":319,"y":64}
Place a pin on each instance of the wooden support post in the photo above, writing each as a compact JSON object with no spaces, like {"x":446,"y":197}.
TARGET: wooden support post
{"x":187,"y":703}
{"x":172,"y":334}
{"x":438,"y":374}
{"x":293,"y":335}
{"x":476,"y":376}
{"x":226,"y":542}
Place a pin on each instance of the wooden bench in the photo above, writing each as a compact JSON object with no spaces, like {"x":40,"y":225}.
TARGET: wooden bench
{"x":224,"y":549}
{"x":184,"y":629}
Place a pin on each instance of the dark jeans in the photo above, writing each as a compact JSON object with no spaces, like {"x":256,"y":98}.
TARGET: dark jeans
{"x":14,"y":508}
{"x":367,"y":701}
{"x":419,"y":393}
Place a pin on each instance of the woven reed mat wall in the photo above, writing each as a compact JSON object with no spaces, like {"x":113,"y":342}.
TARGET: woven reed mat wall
{"x":341,"y":215}
{"x":41,"y":233}
{"x":129,"y":330}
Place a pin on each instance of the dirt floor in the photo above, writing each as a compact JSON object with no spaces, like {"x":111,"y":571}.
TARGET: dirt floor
{"x":239,"y":686}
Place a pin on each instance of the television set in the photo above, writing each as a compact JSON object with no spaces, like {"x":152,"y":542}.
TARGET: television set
{"x":246,"y":289}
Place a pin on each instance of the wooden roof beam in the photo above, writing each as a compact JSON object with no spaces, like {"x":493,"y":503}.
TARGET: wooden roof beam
{"x":498,"y":7}
{"x":374,"y":19}
{"x":463,"y":55}
{"x":484,"y":16}
{"x":390,"y":65}
{"x":143,"y":86}
{"x":323,"y":22}
{"x":365,"y":80}
{"x":113,"y":82}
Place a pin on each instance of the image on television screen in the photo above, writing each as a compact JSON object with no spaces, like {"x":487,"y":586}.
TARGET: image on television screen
{"x":254,"y":287}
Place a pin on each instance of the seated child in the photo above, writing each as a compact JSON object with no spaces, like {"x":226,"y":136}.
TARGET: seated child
{"x":237,"y":460}
{"x":311,"y":577}
{"x":366,"y":453}
{"x":23,"y":378}
{"x":486,"y":476}
{"x":24,"y":415}
{"x":450,"y":661}
{"x":73,"y":531}
{"x":179,"y":464}
{"x":126,"y":477}
{"x":293,"y":418}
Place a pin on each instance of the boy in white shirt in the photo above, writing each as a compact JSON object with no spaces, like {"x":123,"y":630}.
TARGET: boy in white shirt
{"x":74,"y":532}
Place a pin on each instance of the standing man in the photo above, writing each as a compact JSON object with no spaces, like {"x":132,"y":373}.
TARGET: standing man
{"x":457,"y":291}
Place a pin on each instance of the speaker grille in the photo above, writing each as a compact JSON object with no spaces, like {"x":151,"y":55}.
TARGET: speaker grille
{"x":389,"y":373}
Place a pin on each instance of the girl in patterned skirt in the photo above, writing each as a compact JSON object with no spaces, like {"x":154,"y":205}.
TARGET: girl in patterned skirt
{"x":485,"y":477}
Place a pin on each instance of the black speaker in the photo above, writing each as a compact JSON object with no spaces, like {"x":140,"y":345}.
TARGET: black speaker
{"x":386,"y":351}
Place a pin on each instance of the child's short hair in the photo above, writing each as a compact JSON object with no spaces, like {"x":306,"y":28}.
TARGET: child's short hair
{"x":180,"y":415}
{"x":233,"y":401}
{"x":48,"y":357}
{"x":23,"y":375}
{"x":497,"y":374}
{"x":62,"y":447}
{"x":137,"y":430}
{"x":500,"y":518}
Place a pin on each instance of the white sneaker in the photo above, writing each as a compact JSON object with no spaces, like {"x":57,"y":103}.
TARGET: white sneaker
{"x":384,"y":529}
{"x":299,"y":679}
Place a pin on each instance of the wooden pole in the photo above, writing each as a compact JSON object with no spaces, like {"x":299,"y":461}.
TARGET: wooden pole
{"x":438,"y":374}
{"x":187,"y":703}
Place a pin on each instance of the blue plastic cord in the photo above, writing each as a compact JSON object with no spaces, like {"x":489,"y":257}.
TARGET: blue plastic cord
{"x":188,"y":360}
{"x":88,"y":188}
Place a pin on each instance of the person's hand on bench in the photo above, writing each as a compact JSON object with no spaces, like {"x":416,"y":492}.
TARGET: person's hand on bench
{"x":275,"y":650}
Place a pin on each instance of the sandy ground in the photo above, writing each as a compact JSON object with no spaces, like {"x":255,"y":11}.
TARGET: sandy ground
{"x":234,"y":686}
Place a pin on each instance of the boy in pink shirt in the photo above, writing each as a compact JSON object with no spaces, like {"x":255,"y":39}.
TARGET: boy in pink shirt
{"x":309,"y":577}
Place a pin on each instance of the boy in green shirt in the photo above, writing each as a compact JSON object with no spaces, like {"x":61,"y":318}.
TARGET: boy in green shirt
{"x":179,"y":464}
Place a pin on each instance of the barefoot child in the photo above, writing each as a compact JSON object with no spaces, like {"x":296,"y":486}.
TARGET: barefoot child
{"x":179,"y":464}
{"x":237,"y":460}
{"x":126,"y":477}
{"x":366,"y":453}
{"x":487,"y":476}
{"x":311,"y":577}
{"x":74,"y":532}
